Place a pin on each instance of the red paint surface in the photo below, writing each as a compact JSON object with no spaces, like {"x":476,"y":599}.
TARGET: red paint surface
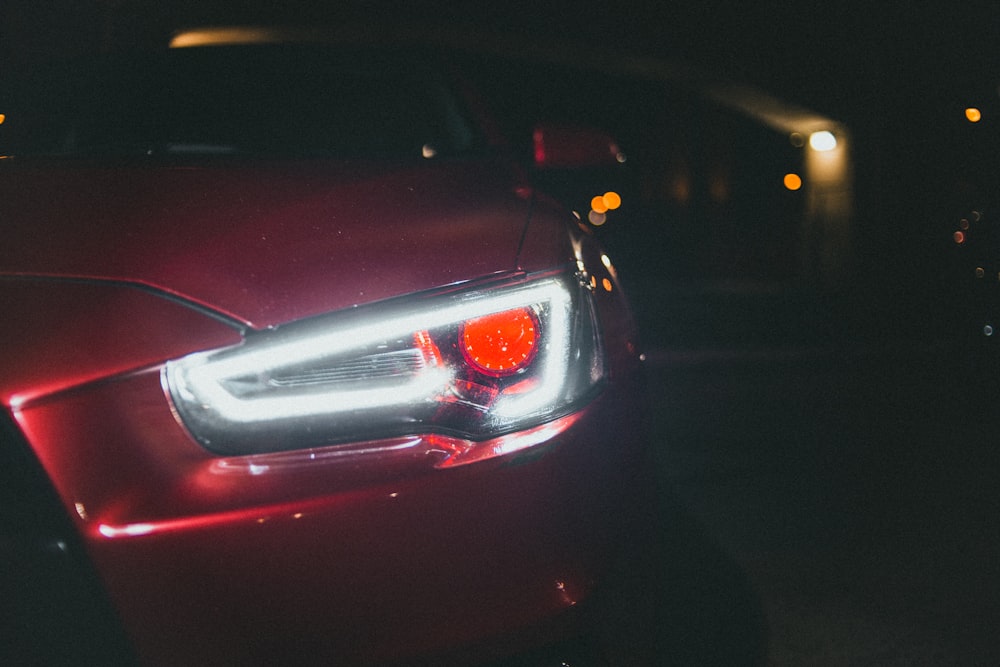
{"x":264,"y":244}
{"x":331,"y":555}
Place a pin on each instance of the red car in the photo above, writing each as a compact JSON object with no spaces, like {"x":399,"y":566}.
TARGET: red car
{"x":297,"y":366}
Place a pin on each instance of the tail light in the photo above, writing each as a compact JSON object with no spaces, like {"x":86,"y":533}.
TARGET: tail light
{"x":474,"y":363}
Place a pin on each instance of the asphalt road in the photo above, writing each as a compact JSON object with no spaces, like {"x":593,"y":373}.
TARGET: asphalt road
{"x":850,"y":485}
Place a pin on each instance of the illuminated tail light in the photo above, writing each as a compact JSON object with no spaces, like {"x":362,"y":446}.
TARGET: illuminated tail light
{"x":475,"y":364}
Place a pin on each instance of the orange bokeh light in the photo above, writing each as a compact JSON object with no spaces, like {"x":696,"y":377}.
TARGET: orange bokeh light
{"x":609,"y":201}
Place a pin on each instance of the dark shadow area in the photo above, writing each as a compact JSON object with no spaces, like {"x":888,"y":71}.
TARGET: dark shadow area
{"x":856,"y":491}
{"x":683,"y":599}
{"x":675,"y":598}
{"x":52,"y":608}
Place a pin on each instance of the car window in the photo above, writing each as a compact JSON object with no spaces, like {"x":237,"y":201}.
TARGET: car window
{"x":272,"y":100}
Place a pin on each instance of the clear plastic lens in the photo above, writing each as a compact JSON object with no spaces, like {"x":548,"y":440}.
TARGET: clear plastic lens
{"x":397,"y":369}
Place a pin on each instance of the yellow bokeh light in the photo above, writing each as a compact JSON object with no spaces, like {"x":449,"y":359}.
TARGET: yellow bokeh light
{"x":236,"y":35}
{"x":718,"y":188}
{"x":597,"y":219}
{"x":597,"y":204}
{"x":3,"y":117}
{"x":973,"y":115}
{"x":793,"y":181}
{"x":680,"y":188}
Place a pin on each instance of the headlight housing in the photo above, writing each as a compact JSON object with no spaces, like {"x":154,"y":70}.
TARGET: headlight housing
{"x":473,"y":363}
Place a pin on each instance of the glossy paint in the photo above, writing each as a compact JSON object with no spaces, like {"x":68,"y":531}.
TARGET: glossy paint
{"x":264,"y":244}
{"x":360,"y":558}
{"x":349,"y":555}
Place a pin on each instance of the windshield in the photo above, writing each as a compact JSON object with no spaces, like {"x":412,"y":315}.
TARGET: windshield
{"x":261,"y":100}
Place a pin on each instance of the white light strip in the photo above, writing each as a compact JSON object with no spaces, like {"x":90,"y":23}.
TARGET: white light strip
{"x":247,"y":411}
{"x":556,"y":361}
{"x":200,"y":379}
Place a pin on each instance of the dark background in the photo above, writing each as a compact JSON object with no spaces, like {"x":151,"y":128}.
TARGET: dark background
{"x":887,"y":70}
{"x":825,"y":54}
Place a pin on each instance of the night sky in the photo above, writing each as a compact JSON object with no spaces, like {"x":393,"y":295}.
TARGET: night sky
{"x":808,"y":50}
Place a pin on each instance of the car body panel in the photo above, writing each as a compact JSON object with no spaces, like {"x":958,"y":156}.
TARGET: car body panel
{"x":363,"y":555}
{"x":59,"y":334}
{"x":313,"y":236}
{"x":234,"y":559}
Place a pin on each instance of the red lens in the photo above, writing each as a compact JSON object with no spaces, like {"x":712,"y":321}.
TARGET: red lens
{"x":501,"y":343}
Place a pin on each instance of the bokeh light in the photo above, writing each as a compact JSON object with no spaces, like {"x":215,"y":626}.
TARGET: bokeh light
{"x":822,"y":141}
{"x":597,"y":219}
{"x":793,"y":181}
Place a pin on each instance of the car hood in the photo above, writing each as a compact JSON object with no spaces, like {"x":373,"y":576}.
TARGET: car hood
{"x":263,"y":243}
